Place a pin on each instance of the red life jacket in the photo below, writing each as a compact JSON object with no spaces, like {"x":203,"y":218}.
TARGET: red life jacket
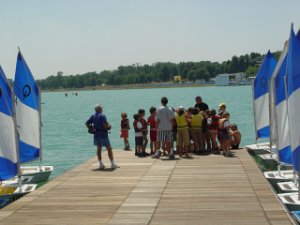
{"x":214,"y":123}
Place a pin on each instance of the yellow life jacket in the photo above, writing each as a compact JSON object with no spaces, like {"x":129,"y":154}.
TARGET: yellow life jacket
{"x":196,"y":121}
{"x":181,"y":121}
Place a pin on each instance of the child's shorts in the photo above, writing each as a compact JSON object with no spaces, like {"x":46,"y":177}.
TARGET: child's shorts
{"x":124,"y":134}
{"x":153,"y":135}
{"x":138,"y":141}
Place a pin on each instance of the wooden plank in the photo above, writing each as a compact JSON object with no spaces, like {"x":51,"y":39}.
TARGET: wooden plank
{"x":201,"y":190}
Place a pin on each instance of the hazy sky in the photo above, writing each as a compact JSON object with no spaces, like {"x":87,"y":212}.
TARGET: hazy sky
{"x":77,"y":36}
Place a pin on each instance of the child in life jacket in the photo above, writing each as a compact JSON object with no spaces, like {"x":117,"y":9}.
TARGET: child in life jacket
{"x":224,"y":135}
{"x":144,"y":131}
{"x":213,"y":126}
{"x":205,"y":132}
{"x":183,"y":139}
{"x":153,"y":130}
{"x":124,"y":130}
{"x":138,"y":129}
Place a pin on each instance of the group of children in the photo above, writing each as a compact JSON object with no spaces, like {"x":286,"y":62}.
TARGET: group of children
{"x":193,"y":131}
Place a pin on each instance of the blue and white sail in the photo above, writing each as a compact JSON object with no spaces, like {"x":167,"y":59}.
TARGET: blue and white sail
{"x":27,"y":112}
{"x":279,"y":108}
{"x":8,"y":145}
{"x":261,"y":96}
{"x":293,"y":91}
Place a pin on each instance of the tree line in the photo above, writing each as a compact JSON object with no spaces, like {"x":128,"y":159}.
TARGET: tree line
{"x":157,"y":72}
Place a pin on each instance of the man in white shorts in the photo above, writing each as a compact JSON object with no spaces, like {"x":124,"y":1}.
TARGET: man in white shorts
{"x":164,"y":125}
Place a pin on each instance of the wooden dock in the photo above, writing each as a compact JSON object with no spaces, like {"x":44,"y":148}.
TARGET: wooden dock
{"x":202,"y":190}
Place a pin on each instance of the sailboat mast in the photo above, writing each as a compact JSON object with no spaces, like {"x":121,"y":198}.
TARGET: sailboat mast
{"x":288,"y":118}
{"x":276,"y":124}
{"x":40,"y":128}
{"x":270,"y":118}
{"x":254,"y":114}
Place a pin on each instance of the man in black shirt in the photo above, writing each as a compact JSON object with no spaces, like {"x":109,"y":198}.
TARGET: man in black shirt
{"x":202,"y":106}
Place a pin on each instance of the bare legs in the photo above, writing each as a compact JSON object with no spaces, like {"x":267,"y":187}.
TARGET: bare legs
{"x":153,"y":146}
{"x":213,"y":136}
{"x":126,"y":143}
{"x":225,"y":145}
{"x":109,"y":151}
{"x":99,"y":148}
{"x":145,"y":142}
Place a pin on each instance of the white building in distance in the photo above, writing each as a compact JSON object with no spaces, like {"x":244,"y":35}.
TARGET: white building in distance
{"x":222,"y":80}
{"x":227,"y":79}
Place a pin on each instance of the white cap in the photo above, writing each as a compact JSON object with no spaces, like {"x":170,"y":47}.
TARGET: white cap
{"x":98,"y":106}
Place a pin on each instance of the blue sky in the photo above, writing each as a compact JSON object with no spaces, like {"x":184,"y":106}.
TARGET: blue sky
{"x":76,"y":36}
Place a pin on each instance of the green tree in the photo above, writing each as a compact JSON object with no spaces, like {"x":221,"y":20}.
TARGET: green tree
{"x":157,"y":72}
{"x":251,"y":71}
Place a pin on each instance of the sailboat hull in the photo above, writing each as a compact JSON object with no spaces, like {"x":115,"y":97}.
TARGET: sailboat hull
{"x":290,"y":200}
{"x":260,"y":148}
{"x":15,"y":180}
{"x":38,"y":174}
{"x":275,"y":177}
{"x":289,"y":186}
{"x":271,"y":160}
{"x":11,"y":193}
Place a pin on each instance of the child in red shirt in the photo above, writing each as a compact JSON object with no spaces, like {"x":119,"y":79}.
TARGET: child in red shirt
{"x":145,"y":130}
{"x":153,"y":131}
{"x":213,"y":126}
{"x":124,"y":130}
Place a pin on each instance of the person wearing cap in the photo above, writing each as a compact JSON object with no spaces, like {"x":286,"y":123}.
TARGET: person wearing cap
{"x":202,"y":106}
{"x":224,"y":134}
{"x":183,"y":139}
{"x":101,"y":127}
{"x":222,"y":109}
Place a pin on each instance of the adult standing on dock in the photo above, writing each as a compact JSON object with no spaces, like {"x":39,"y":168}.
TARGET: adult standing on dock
{"x":100,"y":125}
{"x":202,"y":106}
{"x":164,"y":125}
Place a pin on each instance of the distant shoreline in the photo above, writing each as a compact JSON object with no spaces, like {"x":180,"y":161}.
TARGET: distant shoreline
{"x":124,"y":87}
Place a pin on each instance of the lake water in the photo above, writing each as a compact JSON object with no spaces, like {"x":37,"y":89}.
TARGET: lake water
{"x":66,"y":142}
